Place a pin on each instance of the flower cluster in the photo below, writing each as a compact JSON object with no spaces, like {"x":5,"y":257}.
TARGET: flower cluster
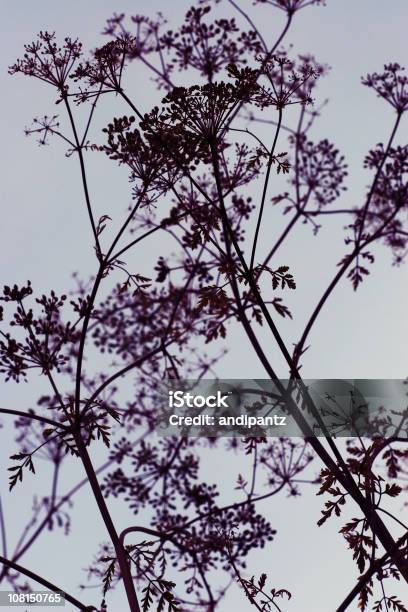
{"x":208,"y":47}
{"x":193,"y":119}
{"x":105,"y":68}
{"x":149,"y":165}
{"x":48,"y":61}
{"x":288,"y":81}
{"x":391,"y":85}
{"x":320,"y":171}
{"x":291,"y":6}
{"x":387,"y":213}
{"x":44,"y":341}
{"x":144,"y":37}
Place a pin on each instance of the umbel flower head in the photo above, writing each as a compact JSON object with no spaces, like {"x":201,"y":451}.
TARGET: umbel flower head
{"x":205,"y":109}
{"x":290,"y":6}
{"x":289,"y":82}
{"x":208,"y":46}
{"x":390,"y":197}
{"x":392,"y":85}
{"x":192,"y":118}
{"x":49,"y":62}
{"x":150,"y":166}
{"x":321,"y":170}
{"x":106,"y":67}
{"x":204,"y":44}
{"x":144,"y":40}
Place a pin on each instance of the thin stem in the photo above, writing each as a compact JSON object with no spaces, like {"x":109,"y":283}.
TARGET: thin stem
{"x":281,"y":239}
{"x":357,"y":249}
{"x":265,"y":188}
{"x":125,"y":369}
{"x":394,"y":518}
{"x":3,"y":530}
{"x":246,"y":131}
{"x":82,"y":339}
{"x":20,"y":549}
{"x":45,"y":583}
{"x":377,"y":176}
{"x":90,"y":117}
{"x":34,"y":417}
{"x":266,"y":59}
{"x":90,"y":305}
{"x":124,"y":226}
{"x":143,"y":236}
{"x":243,"y":584}
{"x":251,"y":23}
{"x":83,"y":174}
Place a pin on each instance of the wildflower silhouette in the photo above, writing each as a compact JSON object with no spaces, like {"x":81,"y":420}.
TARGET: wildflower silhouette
{"x":191,"y":160}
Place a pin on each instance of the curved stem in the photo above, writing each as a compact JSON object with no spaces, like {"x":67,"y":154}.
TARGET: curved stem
{"x":83,"y":174}
{"x":45,"y":583}
{"x":334,"y":282}
{"x":34,"y":417}
{"x":124,"y":370}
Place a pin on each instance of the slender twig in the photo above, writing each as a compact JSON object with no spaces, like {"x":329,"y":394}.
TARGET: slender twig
{"x":376,"y":178}
{"x":338,"y":276}
{"x":83,"y":173}
{"x":90,"y":117}
{"x":3,"y":530}
{"x":251,"y":23}
{"x":34,"y":417}
{"x":45,"y":583}
{"x":131,"y":366}
{"x":20,"y":549}
{"x":265,"y":188}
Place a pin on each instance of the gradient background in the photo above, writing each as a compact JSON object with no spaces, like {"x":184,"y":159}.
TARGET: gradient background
{"x":44,"y":236}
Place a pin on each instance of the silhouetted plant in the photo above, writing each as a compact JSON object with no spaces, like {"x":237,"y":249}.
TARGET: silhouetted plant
{"x":191,"y":160}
